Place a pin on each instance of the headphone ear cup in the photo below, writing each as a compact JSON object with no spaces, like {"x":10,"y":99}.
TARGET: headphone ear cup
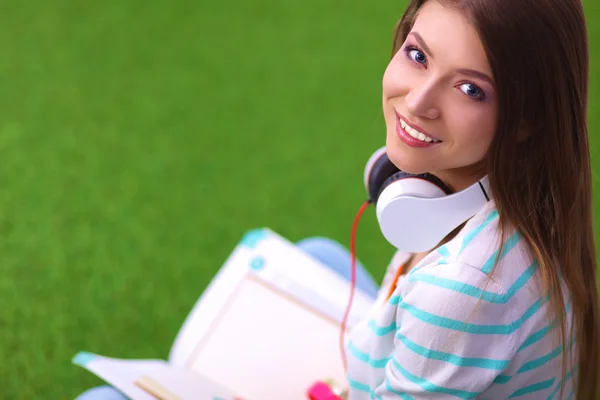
{"x":415,"y":212}
{"x":378,"y":170}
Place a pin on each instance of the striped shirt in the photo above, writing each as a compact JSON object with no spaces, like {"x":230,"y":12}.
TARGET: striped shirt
{"x":455,"y":329}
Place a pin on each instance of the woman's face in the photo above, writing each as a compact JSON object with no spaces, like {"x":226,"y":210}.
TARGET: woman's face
{"x":438,"y":87}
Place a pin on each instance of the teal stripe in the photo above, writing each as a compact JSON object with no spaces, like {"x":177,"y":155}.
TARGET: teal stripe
{"x":364,"y":357}
{"x":508,"y":245}
{"x":536,"y":387}
{"x":523,"y":279}
{"x":83,"y":358}
{"x":536,"y":337}
{"x":394,"y":300}
{"x":539,"y":335}
{"x":472,"y":328}
{"x":571,"y":395}
{"x":359,"y":386}
{"x":390,"y":389}
{"x":440,"y":262}
{"x":471,"y":235}
{"x":484,"y":363}
{"x":444,"y":252}
{"x":561,"y":383}
{"x":473,"y":291}
{"x":538,"y":362}
{"x":252,"y":237}
{"x":456,"y":286}
{"x":382,"y":330}
{"x":362,"y":387}
{"x":431,"y":387}
{"x":502,"y":379}
{"x":533,"y":364}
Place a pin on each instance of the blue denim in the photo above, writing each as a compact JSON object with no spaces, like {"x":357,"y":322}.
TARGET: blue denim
{"x":329,"y":252}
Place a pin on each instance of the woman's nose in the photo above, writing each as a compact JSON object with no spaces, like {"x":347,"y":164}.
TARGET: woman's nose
{"x":421,"y":102}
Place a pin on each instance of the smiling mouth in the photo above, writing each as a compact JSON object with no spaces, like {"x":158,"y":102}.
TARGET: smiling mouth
{"x":416,"y":133}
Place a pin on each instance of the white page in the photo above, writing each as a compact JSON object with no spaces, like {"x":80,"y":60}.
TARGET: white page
{"x":187,"y":385}
{"x":119,"y":373}
{"x":267,"y":346}
{"x":208,"y":306}
{"x":123,"y":375}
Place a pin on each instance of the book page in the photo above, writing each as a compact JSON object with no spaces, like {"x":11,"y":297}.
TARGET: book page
{"x":152,"y":379}
{"x":178,"y":383}
{"x":119,"y":373}
{"x":267,"y":345}
{"x":208,"y":306}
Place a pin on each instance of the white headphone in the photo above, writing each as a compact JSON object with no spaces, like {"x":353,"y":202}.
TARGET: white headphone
{"x":415,"y":212}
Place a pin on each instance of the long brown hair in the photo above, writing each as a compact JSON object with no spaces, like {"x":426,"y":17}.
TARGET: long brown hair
{"x":539,"y":162}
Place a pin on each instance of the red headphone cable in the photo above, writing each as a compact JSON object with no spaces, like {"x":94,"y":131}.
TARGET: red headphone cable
{"x":352,"y":284}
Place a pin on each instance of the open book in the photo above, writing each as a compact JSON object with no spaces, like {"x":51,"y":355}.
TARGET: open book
{"x":266,"y":328}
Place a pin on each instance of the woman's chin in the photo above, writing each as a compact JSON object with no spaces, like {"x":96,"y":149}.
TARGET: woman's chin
{"x":406,"y":162}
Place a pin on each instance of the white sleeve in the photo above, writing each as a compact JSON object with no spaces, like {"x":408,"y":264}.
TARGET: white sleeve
{"x":450,"y":341}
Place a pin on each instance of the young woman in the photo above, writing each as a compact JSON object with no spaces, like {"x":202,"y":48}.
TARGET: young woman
{"x":506,"y":306}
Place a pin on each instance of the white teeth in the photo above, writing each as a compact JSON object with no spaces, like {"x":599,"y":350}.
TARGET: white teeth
{"x":415,"y":133}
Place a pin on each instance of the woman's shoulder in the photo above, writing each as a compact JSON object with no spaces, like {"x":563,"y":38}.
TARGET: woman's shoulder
{"x":478,"y":259}
{"x":479,"y":262}
{"x":481,"y":246}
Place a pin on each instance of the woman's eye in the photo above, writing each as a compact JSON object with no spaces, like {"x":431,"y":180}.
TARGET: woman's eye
{"x":472,"y":91}
{"x":417,"y":56}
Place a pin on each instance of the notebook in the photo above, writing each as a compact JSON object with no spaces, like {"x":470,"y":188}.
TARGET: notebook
{"x":266,"y":327}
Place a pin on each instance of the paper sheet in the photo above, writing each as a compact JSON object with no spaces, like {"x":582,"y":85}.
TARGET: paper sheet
{"x":125,"y":374}
{"x":120,"y":373}
{"x":208,"y":306}
{"x":273,"y":354}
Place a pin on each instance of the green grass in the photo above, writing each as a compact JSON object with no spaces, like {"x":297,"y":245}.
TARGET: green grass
{"x":140,"y":140}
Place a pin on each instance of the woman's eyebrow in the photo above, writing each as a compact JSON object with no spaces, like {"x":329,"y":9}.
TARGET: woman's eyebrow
{"x":475,"y":74}
{"x":422,"y":43}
